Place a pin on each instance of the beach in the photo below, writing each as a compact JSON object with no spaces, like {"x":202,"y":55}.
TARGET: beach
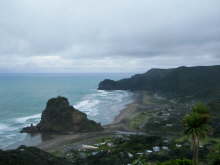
{"x":144,"y":109}
{"x":62,"y":142}
{"x":24,"y":97}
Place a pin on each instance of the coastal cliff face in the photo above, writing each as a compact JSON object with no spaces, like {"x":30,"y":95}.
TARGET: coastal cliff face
{"x":188,"y":82}
{"x":60,"y":116}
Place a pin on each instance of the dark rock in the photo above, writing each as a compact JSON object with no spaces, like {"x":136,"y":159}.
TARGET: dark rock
{"x":108,"y":84}
{"x":31,"y":129}
{"x":30,"y":156}
{"x":60,"y":116}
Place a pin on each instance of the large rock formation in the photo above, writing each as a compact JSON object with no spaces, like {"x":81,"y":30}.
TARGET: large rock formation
{"x":189,"y":82}
{"x":60,"y":116}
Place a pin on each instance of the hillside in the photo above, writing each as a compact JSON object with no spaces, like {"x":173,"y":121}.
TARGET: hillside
{"x":200,"y":82}
{"x":30,"y":156}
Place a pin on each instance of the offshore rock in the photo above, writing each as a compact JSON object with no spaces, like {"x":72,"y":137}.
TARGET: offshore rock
{"x":60,"y":116}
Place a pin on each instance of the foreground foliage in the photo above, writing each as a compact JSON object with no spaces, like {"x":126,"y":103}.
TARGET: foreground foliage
{"x":177,"y":162}
{"x":214,"y":155}
{"x":196,"y":127}
{"x":30,"y":156}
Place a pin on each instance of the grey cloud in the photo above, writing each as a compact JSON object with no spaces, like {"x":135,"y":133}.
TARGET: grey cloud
{"x":91,"y":30}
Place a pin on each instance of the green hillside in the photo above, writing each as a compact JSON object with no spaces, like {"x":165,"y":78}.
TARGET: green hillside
{"x":189,"y":82}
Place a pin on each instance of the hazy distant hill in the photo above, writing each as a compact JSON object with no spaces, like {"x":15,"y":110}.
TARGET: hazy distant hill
{"x":189,"y":82}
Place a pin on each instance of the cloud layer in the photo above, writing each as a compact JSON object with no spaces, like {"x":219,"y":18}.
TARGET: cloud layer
{"x":107,"y":36}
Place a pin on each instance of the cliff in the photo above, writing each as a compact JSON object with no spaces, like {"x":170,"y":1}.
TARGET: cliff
{"x":60,"y":116}
{"x":188,"y":82}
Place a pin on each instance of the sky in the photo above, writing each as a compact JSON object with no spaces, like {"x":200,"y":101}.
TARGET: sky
{"x":68,"y":36}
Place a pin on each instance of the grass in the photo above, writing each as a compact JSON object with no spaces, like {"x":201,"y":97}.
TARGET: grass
{"x":139,"y":120}
{"x":147,"y":99}
{"x":57,"y":153}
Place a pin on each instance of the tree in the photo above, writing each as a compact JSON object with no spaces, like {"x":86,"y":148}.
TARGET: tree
{"x":197,"y":127}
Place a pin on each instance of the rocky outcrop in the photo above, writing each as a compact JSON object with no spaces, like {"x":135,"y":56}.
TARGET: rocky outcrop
{"x":60,"y":116}
{"x":30,"y":156}
{"x":108,"y":84}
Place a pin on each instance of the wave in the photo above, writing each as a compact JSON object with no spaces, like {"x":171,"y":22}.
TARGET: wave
{"x":6,"y":127}
{"x":9,"y":131}
{"x":18,"y":123}
{"x":26,"y":118}
{"x":103,"y":106}
{"x":102,"y":93}
{"x":88,"y":105}
{"x":3,"y":127}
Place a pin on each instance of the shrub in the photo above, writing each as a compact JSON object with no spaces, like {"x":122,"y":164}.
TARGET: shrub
{"x":177,"y":162}
{"x":214,"y":155}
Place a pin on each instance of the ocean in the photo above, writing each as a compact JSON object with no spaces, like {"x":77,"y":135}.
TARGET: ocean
{"x":23,"y":97}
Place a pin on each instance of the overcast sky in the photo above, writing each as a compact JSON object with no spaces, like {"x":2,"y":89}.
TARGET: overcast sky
{"x":107,"y":35}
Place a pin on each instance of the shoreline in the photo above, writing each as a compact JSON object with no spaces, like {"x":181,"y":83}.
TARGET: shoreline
{"x":54,"y":142}
{"x":63,"y":143}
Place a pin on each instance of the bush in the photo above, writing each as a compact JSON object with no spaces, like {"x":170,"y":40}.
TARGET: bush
{"x":140,"y":161}
{"x":214,"y":155}
{"x":177,"y":162}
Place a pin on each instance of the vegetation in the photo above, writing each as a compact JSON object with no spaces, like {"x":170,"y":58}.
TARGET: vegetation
{"x":139,"y":150}
{"x":30,"y":156}
{"x":196,"y":126}
{"x":140,"y":161}
{"x":177,"y":162}
{"x":214,"y":155}
{"x":183,"y":82}
{"x":155,"y":148}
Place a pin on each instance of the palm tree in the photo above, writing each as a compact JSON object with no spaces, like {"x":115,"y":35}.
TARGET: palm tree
{"x":196,"y":126}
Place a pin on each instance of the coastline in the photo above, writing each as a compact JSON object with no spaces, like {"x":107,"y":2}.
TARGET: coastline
{"x":53,"y":142}
{"x":63,"y":143}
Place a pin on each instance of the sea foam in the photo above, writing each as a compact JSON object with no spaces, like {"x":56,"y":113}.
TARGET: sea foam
{"x":26,"y":118}
{"x":102,"y":106}
{"x":6,"y":127}
{"x":3,"y":127}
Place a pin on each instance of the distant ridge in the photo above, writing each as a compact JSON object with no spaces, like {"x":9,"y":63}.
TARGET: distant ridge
{"x":202,"y":82}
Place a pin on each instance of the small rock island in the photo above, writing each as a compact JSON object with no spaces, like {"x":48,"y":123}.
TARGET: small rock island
{"x":60,"y":117}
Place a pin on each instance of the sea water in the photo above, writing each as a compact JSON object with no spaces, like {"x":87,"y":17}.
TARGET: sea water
{"x":23,"y":97}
